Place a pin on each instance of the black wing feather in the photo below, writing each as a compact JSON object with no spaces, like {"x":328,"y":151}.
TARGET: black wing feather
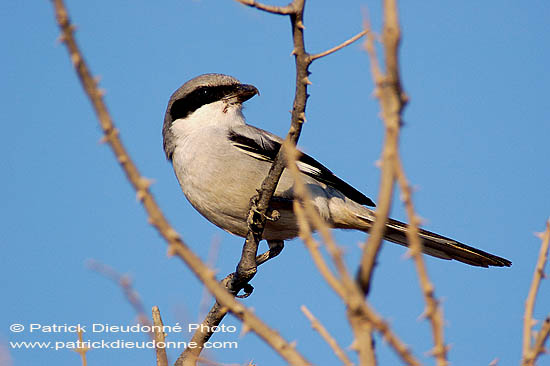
{"x":265,"y":146}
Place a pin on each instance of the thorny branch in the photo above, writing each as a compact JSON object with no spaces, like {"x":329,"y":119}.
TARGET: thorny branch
{"x":392,"y":101}
{"x":433,"y":309}
{"x":125,"y":283}
{"x":316,"y":324}
{"x":247,"y":266}
{"x":159,"y":336}
{"x":156,"y":217}
{"x":531,"y":352}
{"x":361,"y":316}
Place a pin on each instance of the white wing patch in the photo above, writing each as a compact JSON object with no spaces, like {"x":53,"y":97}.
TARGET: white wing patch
{"x":246,"y":149}
{"x":308,"y":169}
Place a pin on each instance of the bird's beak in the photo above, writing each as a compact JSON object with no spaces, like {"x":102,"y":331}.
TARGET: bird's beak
{"x":243,"y":92}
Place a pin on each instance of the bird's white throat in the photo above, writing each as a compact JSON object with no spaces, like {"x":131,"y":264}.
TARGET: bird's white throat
{"x":218,"y":114}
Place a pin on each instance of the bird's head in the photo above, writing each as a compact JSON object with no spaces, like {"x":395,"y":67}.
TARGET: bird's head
{"x":204,"y":98}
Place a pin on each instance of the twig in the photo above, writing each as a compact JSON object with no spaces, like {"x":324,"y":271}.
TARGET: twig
{"x":361,"y":316}
{"x":392,"y":101}
{"x":156,"y":217}
{"x":281,"y":10}
{"x":540,"y":340}
{"x":433,"y":309}
{"x":530,"y":353}
{"x":125,"y":283}
{"x":313,"y":246}
{"x":316,"y":324}
{"x":340,"y":46}
{"x":246,"y":268}
{"x":159,"y":336}
{"x":81,"y":349}
{"x":203,"y":333}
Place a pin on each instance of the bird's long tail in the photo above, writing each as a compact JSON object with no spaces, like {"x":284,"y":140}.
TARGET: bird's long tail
{"x":434,"y":244}
{"x":443,"y":247}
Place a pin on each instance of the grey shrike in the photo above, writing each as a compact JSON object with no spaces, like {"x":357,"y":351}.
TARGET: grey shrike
{"x":220,"y":161}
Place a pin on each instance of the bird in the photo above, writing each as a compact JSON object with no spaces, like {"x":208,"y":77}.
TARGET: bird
{"x":220,"y":161}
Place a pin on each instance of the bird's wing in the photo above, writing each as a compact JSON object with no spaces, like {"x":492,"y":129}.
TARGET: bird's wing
{"x":263,"y":145}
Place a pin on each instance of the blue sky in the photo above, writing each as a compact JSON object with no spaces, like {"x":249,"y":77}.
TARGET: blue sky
{"x":475,"y":146}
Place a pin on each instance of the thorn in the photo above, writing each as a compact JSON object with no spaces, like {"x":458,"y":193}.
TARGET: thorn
{"x":171,"y":251}
{"x":245,"y":329}
{"x":75,"y":59}
{"x":101,"y":92}
{"x":293,"y":53}
{"x":140,"y":195}
{"x":306,"y":81}
{"x":300,"y":24}
{"x":172,"y":235}
{"x":144,"y":183}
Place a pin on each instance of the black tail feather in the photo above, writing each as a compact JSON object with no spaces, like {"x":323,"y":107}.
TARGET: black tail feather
{"x":443,"y":247}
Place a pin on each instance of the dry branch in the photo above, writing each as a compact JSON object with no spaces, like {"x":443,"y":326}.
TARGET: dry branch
{"x":81,"y":349}
{"x":530,"y":353}
{"x":247,"y":266}
{"x":156,"y":217}
{"x":433,"y":309}
{"x":125,"y":283}
{"x":362,"y":317}
{"x":324,"y":333}
{"x":340,"y":46}
{"x":159,"y":337}
{"x":392,"y":101}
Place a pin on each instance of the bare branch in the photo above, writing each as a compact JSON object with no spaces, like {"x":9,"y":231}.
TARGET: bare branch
{"x":81,"y":349}
{"x":361,"y":316}
{"x":156,"y":217}
{"x":316,"y":324}
{"x":433,"y":309}
{"x":529,"y":353}
{"x":125,"y":283}
{"x":159,"y":337}
{"x":339,"y":47}
{"x":540,"y":340}
{"x":281,"y":10}
{"x":388,"y":91}
{"x":392,"y":102}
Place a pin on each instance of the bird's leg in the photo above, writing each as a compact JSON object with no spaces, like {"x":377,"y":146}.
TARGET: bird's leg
{"x":275,"y":248}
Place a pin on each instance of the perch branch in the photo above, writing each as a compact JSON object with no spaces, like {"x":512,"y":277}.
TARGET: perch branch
{"x":156,"y":217}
